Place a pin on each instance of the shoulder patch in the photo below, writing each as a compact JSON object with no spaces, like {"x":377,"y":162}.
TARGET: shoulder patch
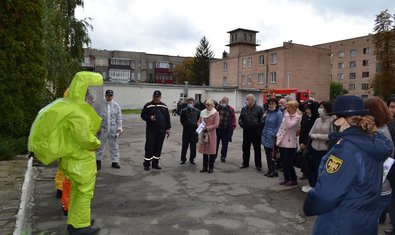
{"x":333,"y":164}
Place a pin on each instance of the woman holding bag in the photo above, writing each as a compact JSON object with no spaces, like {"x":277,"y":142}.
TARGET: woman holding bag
{"x":208,"y":137}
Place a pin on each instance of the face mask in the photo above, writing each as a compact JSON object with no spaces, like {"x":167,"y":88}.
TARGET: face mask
{"x":282,"y":108}
{"x":308,"y":114}
{"x":223,"y":105}
{"x":190,"y":106}
{"x":321,"y":112}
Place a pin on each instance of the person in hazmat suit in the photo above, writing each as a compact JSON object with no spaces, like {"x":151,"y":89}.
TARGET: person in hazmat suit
{"x":111,"y":128}
{"x":66,"y":130}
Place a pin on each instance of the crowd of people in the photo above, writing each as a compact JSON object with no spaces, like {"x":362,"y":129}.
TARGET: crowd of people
{"x":343,"y":146}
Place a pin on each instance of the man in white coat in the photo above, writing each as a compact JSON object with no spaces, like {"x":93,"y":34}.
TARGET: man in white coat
{"x":111,"y":128}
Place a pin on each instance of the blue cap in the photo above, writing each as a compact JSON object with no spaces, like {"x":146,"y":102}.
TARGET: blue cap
{"x":349,"y":105}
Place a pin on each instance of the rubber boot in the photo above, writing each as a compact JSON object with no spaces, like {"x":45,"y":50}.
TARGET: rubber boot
{"x":205,"y":163}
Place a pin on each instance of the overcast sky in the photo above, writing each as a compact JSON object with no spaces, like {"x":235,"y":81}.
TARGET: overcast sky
{"x":175,"y":27}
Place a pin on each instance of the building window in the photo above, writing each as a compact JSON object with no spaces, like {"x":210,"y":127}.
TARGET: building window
{"x":353,"y":64}
{"x":353,"y":52}
{"x":261,"y":78}
{"x":365,"y":62}
{"x":244,"y":63}
{"x":123,"y":62}
{"x":261,"y":60}
{"x":243,"y":80}
{"x":150,"y":65}
{"x":273,"y":58}
{"x":225,"y":81}
{"x":249,"y":79}
{"x":340,"y":76}
{"x":273,"y":76}
{"x":132,"y":64}
{"x":351,"y":87}
{"x":249,"y":64}
{"x":365,"y":86}
{"x":366,"y":50}
{"x":340,"y":54}
{"x":225,"y":65}
{"x":163,"y":65}
{"x":365,"y":74}
{"x":353,"y":75}
{"x":119,"y":74}
{"x":87,"y":60}
{"x":233,"y":38}
{"x":340,"y":65}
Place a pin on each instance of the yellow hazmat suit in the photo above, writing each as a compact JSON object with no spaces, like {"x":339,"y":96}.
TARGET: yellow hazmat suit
{"x":66,"y":130}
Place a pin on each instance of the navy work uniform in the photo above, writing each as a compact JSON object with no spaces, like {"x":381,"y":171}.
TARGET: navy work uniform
{"x":347,"y":192}
{"x":155,"y":131}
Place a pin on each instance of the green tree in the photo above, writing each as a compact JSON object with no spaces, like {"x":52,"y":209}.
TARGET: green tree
{"x":65,"y":37}
{"x":201,"y":63}
{"x":184,"y":71}
{"x":336,"y":89}
{"x":22,"y":74}
{"x":384,"y":42}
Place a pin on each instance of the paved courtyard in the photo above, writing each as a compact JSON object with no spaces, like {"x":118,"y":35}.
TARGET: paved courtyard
{"x":177,"y":199}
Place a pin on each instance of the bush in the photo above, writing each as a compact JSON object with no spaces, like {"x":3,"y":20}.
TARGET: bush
{"x":10,"y":147}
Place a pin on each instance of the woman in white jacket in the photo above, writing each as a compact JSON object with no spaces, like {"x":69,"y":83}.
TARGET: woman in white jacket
{"x":319,"y":135}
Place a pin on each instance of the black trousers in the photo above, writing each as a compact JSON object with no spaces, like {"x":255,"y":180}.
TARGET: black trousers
{"x":252,"y":137}
{"x":271,"y":166}
{"x":287,"y":156}
{"x":223,"y":137}
{"x":316,"y":162}
{"x":189,"y":138}
{"x":153,"y":146}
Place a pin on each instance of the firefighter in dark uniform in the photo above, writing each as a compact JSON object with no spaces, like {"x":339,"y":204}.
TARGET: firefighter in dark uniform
{"x":348,"y":189}
{"x":157,"y":117}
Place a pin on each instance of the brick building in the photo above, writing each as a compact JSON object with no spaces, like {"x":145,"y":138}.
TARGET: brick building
{"x":128,"y":66}
{"x":353,"y":64}
{"x":289,"y":66}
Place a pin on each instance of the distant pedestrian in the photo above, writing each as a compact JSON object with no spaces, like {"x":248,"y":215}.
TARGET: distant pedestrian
{"x":227,"y":123}
{"x":287,"y":142}
{"x":273,"y":118}
{"x":189,"y":118}
{"x":208,"y":137}
{"x":391,"y":173}
{"x":251,"y":121}
{"x":110,"y":129}
{"x":347,"y":192}
{"x":157,"y":117}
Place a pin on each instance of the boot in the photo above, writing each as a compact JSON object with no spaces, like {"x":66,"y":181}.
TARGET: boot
{"x":115,"y":165}
{"x":86,"y":230}
{"x":155,"y":164}
{"x":98,"y":165}
{"x":211,"y":164}
{"x":58,"y":193}
{"x":205,"y":163}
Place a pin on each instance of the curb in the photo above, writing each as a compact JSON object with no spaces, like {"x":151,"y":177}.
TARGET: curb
{"x":26,"y":191}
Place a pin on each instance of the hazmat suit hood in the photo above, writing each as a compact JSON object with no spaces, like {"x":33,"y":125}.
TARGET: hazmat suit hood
{"x":67,"y":126}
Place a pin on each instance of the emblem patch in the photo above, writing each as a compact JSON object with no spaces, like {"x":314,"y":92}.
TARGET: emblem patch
{"x":333,"y":164}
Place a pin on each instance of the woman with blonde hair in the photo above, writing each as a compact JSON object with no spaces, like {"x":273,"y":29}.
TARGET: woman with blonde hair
{"x":208,"y":137}
{"x":347,"y":192}
{"x":287,"y":141}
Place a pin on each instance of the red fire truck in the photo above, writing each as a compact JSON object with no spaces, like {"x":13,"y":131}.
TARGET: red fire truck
{"x":299,"y":95}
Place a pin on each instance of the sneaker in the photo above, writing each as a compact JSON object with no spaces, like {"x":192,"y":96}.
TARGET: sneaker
{"x":306,"y":188}
{"x":115,"y":165}
{"x":291,"y":183}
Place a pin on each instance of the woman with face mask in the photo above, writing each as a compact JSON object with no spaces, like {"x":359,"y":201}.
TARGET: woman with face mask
{"x":319,"y":135}
{"x":347,"y":192}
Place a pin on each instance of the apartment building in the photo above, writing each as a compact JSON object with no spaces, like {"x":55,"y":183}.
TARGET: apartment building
{"x":128,"y":66}
{"x":353,"y":64}
{"x":289,"y":66}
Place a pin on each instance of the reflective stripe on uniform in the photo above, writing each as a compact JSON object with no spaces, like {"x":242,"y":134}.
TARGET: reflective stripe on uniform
{"x":157,"y":158}
{"x":148,"y":159}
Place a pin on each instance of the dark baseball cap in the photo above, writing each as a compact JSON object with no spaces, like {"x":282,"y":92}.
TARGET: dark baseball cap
{"x":157,"y":93}
{"x":109,"y":92}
